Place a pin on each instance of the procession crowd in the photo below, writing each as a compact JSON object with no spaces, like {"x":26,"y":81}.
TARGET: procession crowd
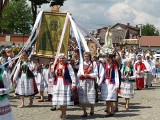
{"x":107,"y":77}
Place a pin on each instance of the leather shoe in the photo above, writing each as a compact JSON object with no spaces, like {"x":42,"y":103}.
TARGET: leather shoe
{"x":91,"y":113}
{"x":84,"y":115}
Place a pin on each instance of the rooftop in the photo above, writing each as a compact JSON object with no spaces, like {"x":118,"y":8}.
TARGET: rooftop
{"x":150,"y":41}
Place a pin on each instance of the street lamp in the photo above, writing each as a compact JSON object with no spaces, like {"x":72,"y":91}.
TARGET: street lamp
{"x":140,"y":34}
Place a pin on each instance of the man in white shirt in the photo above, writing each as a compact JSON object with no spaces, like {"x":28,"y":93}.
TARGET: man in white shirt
{"x":150,"y":70}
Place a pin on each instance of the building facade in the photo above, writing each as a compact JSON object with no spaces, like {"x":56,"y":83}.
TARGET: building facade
{"x":7,"y":40}
{"x":121,"y":34}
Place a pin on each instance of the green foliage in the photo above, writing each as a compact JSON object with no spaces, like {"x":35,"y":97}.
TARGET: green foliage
{"x":149,"y":30}
{"x":58,"y":2}
{"x":17,"y":17}
{"x":39,"y":2}
{"x":34,"y":4}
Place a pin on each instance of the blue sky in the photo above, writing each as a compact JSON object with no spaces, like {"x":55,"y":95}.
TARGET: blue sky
{"x":94,"y":14}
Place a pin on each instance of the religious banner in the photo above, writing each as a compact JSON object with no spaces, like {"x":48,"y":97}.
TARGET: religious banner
{"x":50,"y":34}
{"x":92,"y":48}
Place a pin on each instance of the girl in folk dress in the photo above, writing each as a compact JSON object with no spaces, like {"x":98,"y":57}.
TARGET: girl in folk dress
{"x":24,"y":78}
{"x":86,"y":86}
{"x":110,"y":84}
{"x":5,"y":108}
{"x":39,"y":80}
{"x":75,"y":64}
{"x":45,"y":74}
{"x":63,"y":83}
{"x":127,"y":82}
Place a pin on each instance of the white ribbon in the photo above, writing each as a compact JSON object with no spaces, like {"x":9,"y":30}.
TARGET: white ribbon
{"x":83,"y":41}
{"x":88,"y":34}
{"x":75,"y":31}
{"x":60,"y":42}
{"x":29,"y":42}
{"x":39,"y":17}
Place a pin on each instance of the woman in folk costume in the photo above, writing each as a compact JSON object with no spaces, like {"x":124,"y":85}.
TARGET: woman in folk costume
{"x":127,"y":82}
{"x":86,"y":86}
{"x":110,"y":84}
{"x":6,"y":66}
{"x":24,"y":78}
{"x":5,"y":107}
{"x":64,"y":81}
{"x":139,"y":68}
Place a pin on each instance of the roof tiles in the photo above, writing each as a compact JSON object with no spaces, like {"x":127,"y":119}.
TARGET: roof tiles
{"x":150,"y":41}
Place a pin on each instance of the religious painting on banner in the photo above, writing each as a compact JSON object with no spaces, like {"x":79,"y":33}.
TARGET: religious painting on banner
{"x":92,"y":48}
{"x":50,"y":34}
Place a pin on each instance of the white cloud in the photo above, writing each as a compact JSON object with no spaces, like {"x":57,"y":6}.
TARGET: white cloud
{"x":125,"y":12}
{"x":110,"y":12}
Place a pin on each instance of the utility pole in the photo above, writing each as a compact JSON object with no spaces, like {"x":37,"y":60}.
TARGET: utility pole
{"x":140,"y":34}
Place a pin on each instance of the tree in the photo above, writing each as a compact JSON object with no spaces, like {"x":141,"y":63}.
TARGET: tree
{"x":16,"y":17}
{"x":57,"y":2}
{"x":149,"y":30}
{"x":34,"y":4}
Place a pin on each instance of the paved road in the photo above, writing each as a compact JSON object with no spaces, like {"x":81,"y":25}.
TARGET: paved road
{"x":145,"y":106}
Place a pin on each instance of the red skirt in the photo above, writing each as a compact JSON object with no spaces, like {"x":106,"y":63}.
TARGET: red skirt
{"x":140,"y":83}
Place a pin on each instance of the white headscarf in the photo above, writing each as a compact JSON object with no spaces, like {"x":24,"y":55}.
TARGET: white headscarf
{"x":61,"y":55}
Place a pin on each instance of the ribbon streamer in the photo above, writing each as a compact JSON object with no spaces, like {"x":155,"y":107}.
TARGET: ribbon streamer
{"x":75,"y":31}
{"x":88,"y":34}
{"x":60,"y":42}
{"x":83,"y":41}
{"x":29,"y":42}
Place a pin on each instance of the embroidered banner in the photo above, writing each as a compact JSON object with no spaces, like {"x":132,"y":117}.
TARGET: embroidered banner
{"x":50,"y":34}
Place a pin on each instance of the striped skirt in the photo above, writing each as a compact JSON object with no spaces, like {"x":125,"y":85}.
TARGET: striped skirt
{"x":5,"y":110}
{"x":86,"y":91}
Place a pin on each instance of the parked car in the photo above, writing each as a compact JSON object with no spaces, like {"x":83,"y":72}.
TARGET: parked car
{"x":157,"y":54}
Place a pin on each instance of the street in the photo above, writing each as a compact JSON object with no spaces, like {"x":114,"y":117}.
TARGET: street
{"x":145,"y":106}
